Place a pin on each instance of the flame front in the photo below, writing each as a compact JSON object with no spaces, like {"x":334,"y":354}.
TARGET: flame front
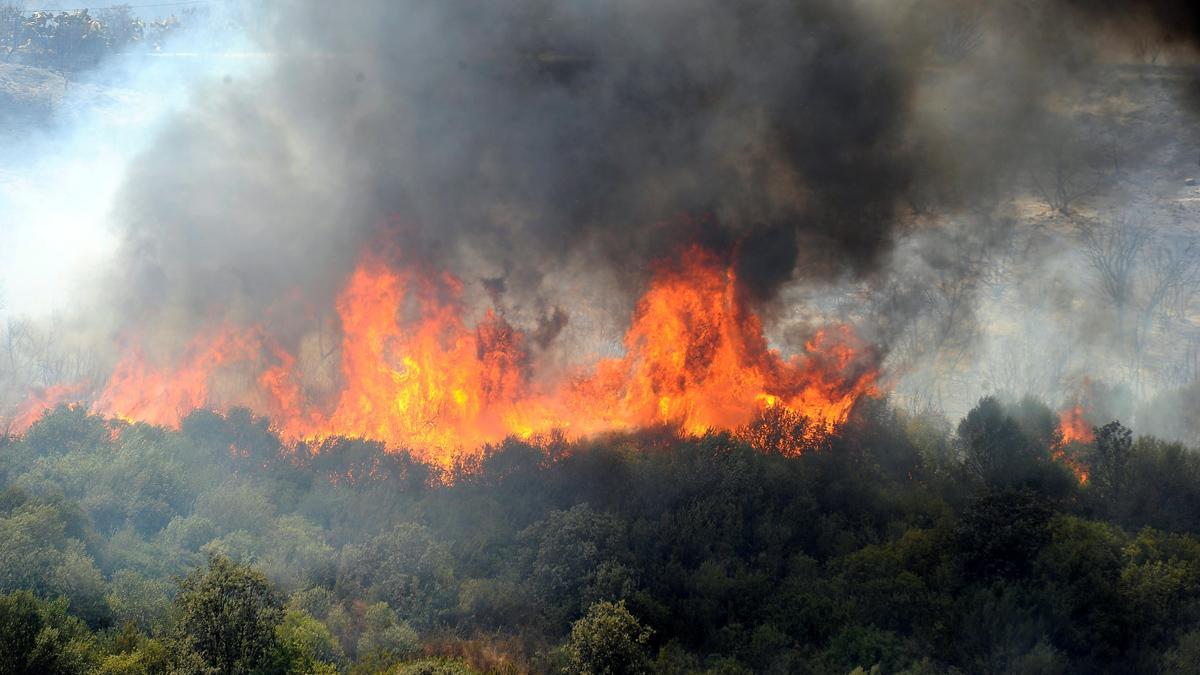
{"x":696,"y":357}
{"x":429,"y":383}
{"x":42,"y":399}
{"x":140,"y":392}
{"x":414,"y":375}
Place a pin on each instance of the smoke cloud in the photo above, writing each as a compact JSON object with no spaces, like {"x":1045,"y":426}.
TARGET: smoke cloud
{"x":886,"y":154}
{"x":522,"y":133}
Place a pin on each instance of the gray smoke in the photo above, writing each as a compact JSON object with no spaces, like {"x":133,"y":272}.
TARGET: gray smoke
{"x":548,"y":152}
{"x":523,"y":132}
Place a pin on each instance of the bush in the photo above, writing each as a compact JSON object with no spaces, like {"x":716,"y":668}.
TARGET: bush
{"x":608,"y":640}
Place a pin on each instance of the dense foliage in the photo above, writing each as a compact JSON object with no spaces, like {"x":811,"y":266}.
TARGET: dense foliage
{"x":898,"y":543}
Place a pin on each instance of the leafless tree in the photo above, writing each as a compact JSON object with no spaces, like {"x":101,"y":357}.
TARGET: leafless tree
{"x":1113,"y":252}
{"x":1020,"y":365}
{"x":16,"y":335}
{"x":938,"y":327}
{"x":1145,"y":275}
{"x":959,"y":33}
{"x":995,"y":258}
{"x":1172,"y":278}
{"x":1184,"y":368}
{"x":1064,"y":167}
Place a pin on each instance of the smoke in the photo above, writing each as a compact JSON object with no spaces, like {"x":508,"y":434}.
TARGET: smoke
{"x":512,"y":136}
{"x":513,"y":139}
{"x":874,"y":160}
{"x":67,"y":141}
{"x":1171,"y":20}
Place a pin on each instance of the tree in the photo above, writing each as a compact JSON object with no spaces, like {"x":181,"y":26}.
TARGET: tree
{"x":1113,"y":252}
{"x":1001,"y":533}
{"x":1079,"y":575}
{"x":386,"y":639}
{"x":76,"y":578}
{"x":20,"y":623}
{"x":236,"y":505}
{"x":122,"y":28}
{"x":995,"y":450}
{"x":608,"y":640}
{"x":1142,"y":273}
{"x":40,"y":638}
{"x":433,"y":666}
{"x":228,"y":613}
{"x":937,"y":301}
{"x":11,"y":20}
{"x":139,"y":600}
{"x":1184,"y":657}
{"x":407,"y":568}
{"x":572,"y":547}
{"x":1110,"y":465}
{"x":305,"y":645}
{"x":1064,"y":167}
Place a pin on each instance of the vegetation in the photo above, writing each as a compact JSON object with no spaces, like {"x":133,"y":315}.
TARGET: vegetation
{"x":893,"y":545}
{"x":76,"y":39}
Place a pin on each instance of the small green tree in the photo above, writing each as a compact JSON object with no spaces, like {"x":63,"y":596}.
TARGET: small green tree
{"x":41,"y":638}
{"x":995,"y":450}
{"x":575,"y":549}
{"x":136,"y":598}
{"x":1110,"y":466}
{"x":407,"y":568}
{"x":305,"y":645}
{"x":386,"y":640}
{"x":1001,"y":533}
{"x":228,"y":613}
{"x":1184,"y":657}
{"x":20,"y":623}
{"x":608,"y":640}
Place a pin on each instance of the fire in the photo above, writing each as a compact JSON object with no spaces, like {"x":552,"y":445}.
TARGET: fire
{"x":138,"y":391}
{"x":429,"y":383}
{"x":415,"y":375}
{"x":41,"y":400}
{"x":1074,"y":429}
{"x":696,"y":358}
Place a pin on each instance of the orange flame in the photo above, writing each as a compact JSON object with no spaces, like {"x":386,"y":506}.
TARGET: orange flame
{"x":41,"y":400}
{"x":1074,"y":429}
{"x":414,"y":375}
{"x":696,"y":357}
{"x":139,"y":391}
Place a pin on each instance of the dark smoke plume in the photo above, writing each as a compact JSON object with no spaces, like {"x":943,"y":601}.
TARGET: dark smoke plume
{"x":521,"y":132}
{"x":1173,"y":20}
{"x":505,"y":140}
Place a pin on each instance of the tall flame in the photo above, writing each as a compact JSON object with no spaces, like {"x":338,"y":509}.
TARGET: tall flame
{"x":1074,"y":426}
{"x":1074,"y":429}
{"x":414,"y":375}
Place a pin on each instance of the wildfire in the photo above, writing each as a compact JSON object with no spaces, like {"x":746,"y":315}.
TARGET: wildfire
{"x":42,"y":399}
{"x":415,"y":375}
{"x":1074,"y":429}
{"x":138,"y":391}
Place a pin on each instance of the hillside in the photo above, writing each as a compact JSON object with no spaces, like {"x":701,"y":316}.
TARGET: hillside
{"x":891,"y":543}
